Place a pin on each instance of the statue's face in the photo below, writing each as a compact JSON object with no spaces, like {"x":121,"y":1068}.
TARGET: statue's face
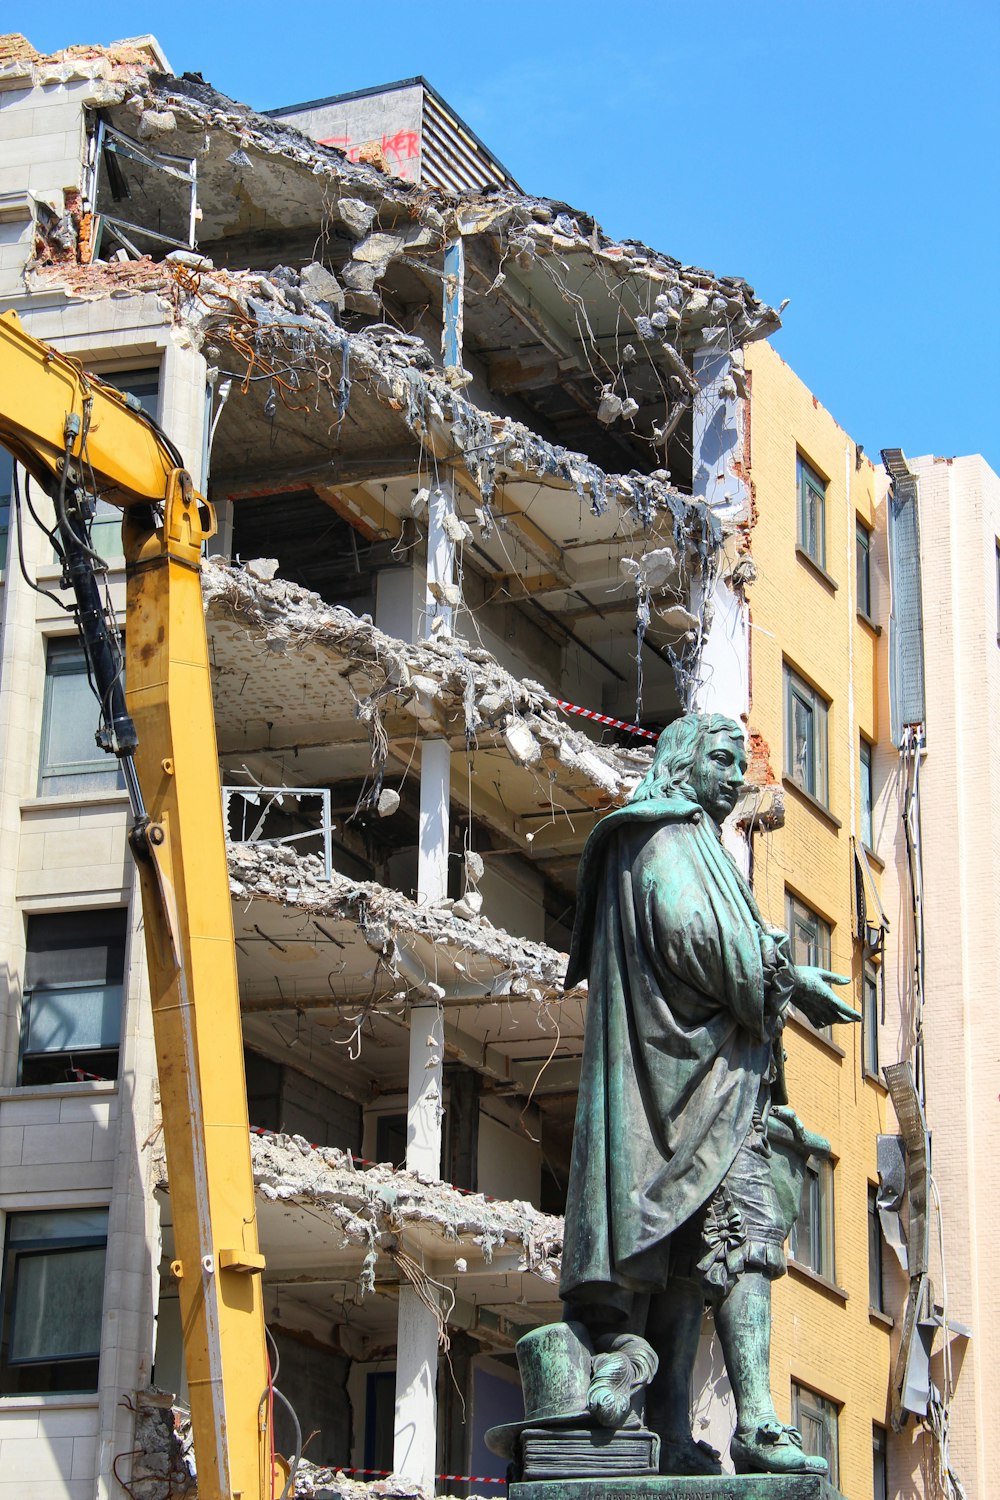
{"x":717,"y":775}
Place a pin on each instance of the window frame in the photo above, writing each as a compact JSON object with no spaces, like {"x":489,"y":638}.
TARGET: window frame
{"x":826,"y":1414}
{"x":106,"y":1055}
{"x":866,"y":800}
{"x":876,"y":1255}
{"x":863,"y":568}
{"x":6,"y":503}
{"x":811,"y":490}
{"x":107,"y":519}
{"x":880,"y":1462}
{"x":798,"y":690}
{"x":84,"y":1366}
{"x":102,"y":765}
{"x":869,"y":1021}
{"x":798,"y":913}
{"x":819,"y":1255}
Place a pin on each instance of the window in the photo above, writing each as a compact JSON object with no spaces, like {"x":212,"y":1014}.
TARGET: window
{"x":53,"y":1292}
{"x":811,"y":936}
{"x":816,"y":1419}
{"x":811,"y":1239}
{"x":863,"y":556}
{"x":867,"y":796}
{"x":144,"y":200}
{"x":812,"y":512}
{"x":106,"y":527}
{"x":876,"y":1294}
{"x":6,"y":491}
{"x":880,"y":1467}
{"x":74,"y":983}
{"x":144,"y":385}
{"x":805,"y":737}
{"x":71,"y":760}
{"x":869,"y":1021}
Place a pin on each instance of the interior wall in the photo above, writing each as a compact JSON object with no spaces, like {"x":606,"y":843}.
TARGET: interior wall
{"x":314,"y":1380}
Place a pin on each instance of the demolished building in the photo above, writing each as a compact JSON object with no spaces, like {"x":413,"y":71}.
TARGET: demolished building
{"x":485,"y":519}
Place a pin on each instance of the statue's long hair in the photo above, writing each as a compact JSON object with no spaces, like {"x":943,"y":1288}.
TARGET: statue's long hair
{"x":677,"y":749}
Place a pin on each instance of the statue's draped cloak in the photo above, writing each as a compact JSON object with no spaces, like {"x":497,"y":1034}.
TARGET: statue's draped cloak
{"x":668,"y":935}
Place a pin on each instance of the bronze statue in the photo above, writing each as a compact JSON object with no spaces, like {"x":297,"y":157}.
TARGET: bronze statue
{"x":672,"y":1200}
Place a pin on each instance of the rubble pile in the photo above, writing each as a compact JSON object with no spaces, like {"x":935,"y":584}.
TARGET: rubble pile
{"x":163,"y":1461}
{"x":373,"y":1206}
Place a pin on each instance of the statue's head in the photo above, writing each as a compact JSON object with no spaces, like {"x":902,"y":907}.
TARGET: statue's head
{"x":701,"y":757}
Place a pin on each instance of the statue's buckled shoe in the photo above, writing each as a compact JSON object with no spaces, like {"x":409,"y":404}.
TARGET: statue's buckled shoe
{"x":772,"y":1449}
{"x":684,"y":1456}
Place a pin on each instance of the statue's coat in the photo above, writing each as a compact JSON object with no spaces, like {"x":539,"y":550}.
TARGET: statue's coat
{"x":668,"y":935}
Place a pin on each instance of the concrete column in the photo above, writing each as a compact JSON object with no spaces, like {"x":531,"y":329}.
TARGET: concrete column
{"x":423,"y":1105}
{"x":415,"y":1447}
{"x":723,"y":684}
{"x":724,"y":677}
{"x":716,"y":436}
{"x":415,"y":1432}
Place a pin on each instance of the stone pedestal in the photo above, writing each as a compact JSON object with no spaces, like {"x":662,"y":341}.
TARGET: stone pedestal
{"x":712,"y":1487}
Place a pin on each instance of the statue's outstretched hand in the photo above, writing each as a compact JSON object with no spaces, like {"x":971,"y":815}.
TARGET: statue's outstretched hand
{"x":816,"y":1000}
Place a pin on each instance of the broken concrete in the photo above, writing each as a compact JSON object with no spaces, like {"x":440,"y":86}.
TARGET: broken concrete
{"x":503,"y":965}
{"x":373,"y":1206}
{"x":442,"y":682}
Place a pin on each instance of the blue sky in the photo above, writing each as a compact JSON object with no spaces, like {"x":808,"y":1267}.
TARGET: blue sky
{"x":841,"y":154}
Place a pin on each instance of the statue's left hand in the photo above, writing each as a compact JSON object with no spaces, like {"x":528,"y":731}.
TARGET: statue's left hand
{"x":816,"y":1000}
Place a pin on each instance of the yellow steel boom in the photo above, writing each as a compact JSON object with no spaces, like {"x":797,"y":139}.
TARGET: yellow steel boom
{"x":70,"y":432}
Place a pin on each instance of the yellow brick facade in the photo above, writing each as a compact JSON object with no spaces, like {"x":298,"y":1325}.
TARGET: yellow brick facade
{"x":825,"y":1336}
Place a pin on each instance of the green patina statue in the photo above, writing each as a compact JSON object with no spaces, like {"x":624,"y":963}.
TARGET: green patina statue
{"x":675,"y":1196}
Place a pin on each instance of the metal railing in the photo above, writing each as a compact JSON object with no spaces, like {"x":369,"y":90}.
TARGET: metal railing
{"x":259,"y":801}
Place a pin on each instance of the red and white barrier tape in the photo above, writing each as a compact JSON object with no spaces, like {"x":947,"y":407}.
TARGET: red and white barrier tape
{"x":590,"y":713}
{"x":462,"y":1478}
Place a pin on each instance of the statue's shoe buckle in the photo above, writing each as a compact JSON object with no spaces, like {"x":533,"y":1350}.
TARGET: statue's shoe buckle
{"x":772,"y":1448}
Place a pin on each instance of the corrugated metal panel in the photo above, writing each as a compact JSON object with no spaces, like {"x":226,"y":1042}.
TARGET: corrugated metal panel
{"x":907,"y":702}
{"x":451,"y":158}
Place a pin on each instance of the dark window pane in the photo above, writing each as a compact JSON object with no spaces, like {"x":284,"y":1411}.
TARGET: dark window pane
{"x":53,"y":1292}
{"x":863,"y":552}
{"x":869,"y":1021}
{"x":876,"y":1295}
{"x":867,"y":798}
{"x":74,"y":975}
{"x":71,"y":760}
{"x":6,"y":490}
{"x":812,"y":512}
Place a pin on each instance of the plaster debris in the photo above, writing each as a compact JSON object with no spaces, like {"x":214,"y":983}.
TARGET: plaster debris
{"x":373,"y":1207}
{"x":446,"y":677}
{"x":279,"y":874}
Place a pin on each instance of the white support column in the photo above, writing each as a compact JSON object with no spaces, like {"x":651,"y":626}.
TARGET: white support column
{"x":415,"y":1423}
{"x":723,"y":685}
{"x":414,"y":1451}
{"x":724,"y":676}
{"x":423,"y":1104}
{"x":716,"y":438}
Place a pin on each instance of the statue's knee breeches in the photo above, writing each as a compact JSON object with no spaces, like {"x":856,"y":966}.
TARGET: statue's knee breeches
{"x":740,"y":1228}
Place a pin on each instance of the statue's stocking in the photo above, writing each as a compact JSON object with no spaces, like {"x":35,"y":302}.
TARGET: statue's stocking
{"x":673,"y":1328}
{"x":743,"y":1319}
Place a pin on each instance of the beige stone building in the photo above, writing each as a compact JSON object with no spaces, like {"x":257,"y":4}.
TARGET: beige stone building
{"x":937,"y":827}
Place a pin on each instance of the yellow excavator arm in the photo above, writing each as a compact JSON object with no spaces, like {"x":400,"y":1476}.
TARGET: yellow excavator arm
{"x":78,"y":438}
